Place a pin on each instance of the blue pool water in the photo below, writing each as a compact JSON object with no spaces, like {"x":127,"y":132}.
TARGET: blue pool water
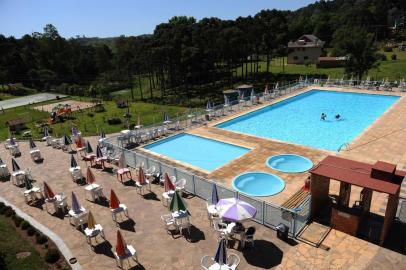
{"x":289,"y":163}
{"x":258,"y":184}
{"x":297,"y":119}
{"x":198,"y":151}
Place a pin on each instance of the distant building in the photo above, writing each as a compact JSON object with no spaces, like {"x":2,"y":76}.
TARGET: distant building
{"x":307,"y":49}
{"x":16,"y":124}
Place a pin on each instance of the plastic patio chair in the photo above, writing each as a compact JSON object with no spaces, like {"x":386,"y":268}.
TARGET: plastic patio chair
{"x":206,"y":262}
{"x":233,"y":261}
{"x":248,"y":237}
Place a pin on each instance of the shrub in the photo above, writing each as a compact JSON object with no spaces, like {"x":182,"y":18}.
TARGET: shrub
{"x":114,"y":121}
{"x":2,"y":205}
{"x":40,"y":238}
{"x":17,"y":221}
{"x":25,"y":225}
{"x":387,"y":49}
{"x":9,"y":212}
{"x":394,"y":57}
{"x":31,"y":231}
{"x":4,"y":209}
{"x":90,"y":114}
{"x":52,"y":256}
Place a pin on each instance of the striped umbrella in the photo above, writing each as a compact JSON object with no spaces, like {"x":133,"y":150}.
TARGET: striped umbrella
{"x":49,"y":194}
{"x":221,"y":254}
{"x":66,"y":140}
{"x":32,"y":144}
{"x":121,"y":246}
{"x":99,"y":153}
{"x":168,"y":183}
{"x":46,"y":132}
{"x":16,"y":168}
{"x":73,"y":163}
{"x":114,"y":201}
{"x":27,"y":183}
{"x":177,"y":203}
{"x":141,"y":176}
{"x":75,"y":203}
{"x":89,"y":148}
{"x":90,"y":179}
{"x":91,"y":222}
{"x":235,"y":210}
{"x":214,"y":194}
{"x":122,"y":163}
{"x":102,"y":135}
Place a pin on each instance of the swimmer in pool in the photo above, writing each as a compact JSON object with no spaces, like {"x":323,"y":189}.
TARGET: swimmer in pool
{"x":323,"y":116}
{"x":338,"y":117}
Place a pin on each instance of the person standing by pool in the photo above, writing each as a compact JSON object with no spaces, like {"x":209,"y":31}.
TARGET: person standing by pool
{"x":323,"y":116}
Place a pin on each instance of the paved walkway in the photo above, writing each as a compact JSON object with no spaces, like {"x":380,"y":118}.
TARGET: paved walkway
{"x":21,"y":101}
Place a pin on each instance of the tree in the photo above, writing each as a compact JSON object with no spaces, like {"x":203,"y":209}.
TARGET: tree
{"x":358,"y":46}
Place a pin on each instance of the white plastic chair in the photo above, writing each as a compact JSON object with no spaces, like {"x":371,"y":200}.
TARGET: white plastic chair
{"x":169,"y":222}
{"x":130,"y":253}
{"x":121,"y":209}
{"x":206,"y":262}
{"x":93,"y":233}
{"x":233,"y":261}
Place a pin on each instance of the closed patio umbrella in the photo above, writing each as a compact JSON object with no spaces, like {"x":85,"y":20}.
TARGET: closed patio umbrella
{"x":66,"y":140}
{"x":74,"y":131}
{"x":73,"y":163}
{"x":16,"y":168}
{"x":75,"y":204}
{"x":214,"y":194}
{"x":46,"y":132}
{"x":121,"y":246}
{"x":114,"y":201}
{"x":99,"y":153}
{"x":91,"y":222}
{"x":166,"y":118}
{"x":90,"y":179}
{"x":177,"y":203}
{"x":233,"y":209}
{"x":89,"y":148}
{"x":122,"y":163}
{"x":32,"y":144}
{"x":221,"y":253}
{"x":49,"y":194}
{"x":141,"y":176}
{"x":168,"y":183}
{"x":102,"y":135}
{"x":27,"y":183}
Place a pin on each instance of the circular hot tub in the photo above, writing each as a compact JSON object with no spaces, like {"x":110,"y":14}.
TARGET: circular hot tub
{"x":289,"y":163}
{"x":258,"y":184}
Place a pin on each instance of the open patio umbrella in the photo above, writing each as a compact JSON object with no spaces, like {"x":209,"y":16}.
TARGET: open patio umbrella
{"x":235,"y":210}
{"x":177,"y":203}
{"x":27,"y":183}
{"x":102,"y":135}
{"x":114,"y":201}
{"x":168,"y":183}
{"x":91,"y":222}
{"x":49,"y":194}
{"x":141,"y":176}
{"x":122,"y":163}
{"x":214,"y":194}
{"x":221,"y":253}
{"x":66,"y":140}
{"x":121,"y":246}
{"x":75,"y":131}
{"x":166,"y":118}
{"x":73,"y":163}
{"x":32,"y":144}
{"x":99,"y":153}
{"x":89,"y":148}
{"x":16,"y":168}
{"x":75,"y":204}
{"x":90,"y":179}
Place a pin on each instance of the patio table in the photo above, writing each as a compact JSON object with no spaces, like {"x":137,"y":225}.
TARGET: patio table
{"x":18,"y":177}
{"x":78,"y":218}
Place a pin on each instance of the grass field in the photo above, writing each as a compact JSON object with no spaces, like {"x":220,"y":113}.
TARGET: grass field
{"x":11,"y":243}
{"x":88,"y":121}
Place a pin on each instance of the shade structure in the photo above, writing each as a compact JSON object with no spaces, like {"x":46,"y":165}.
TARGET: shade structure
{"x":122,"y":163}
{"x":168,"y":183}
{"x":46,"y":132}
{"x":141,"y":176}
{"x":91,"y":222}
{"x":27,"y":184}
{"x":73,"y":163}
{"x":49,"y":194}
{"x":214,"y":194}
{"x":99,"y":153}
{"x":89,"y":148}
{"x":32,"y":144}
{"x":16,"y":168}
{"x":102,"y":135}
{"x":221,"y":253}
{"x":66,"y":140}
{"x":75,"y":203}
{"x":166,"y":118}
{"x":121,"y":246}
{"x":235,"y":210}
{"x":177,"y":203}
{"x":114,"y":201}
{"x":75,"y":131}
{"x":90,"y":179}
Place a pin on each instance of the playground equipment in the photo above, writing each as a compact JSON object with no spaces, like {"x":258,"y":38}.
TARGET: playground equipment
{"x":59,"y":112}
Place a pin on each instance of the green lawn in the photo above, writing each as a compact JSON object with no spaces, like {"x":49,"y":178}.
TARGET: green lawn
{"x":11,"y":243}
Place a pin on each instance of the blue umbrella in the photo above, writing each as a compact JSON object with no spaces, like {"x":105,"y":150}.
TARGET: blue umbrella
{"x":221,"y":254}
{"x":32,"y":144}
{"x":16,"y":168}
{"x":73,"y":162}
{"x":75,"y":204}
{"x":214,"y":194}
{"x":99,"y":153}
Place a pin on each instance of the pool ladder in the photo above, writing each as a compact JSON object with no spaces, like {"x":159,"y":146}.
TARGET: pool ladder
{"x":345,"y":146}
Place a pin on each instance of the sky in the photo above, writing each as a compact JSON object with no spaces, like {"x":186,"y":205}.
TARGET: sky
{"x":109,"y":18}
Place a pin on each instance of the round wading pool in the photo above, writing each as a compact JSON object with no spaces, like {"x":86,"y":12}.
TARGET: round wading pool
{"x":289,"y":163}
{"x":258,"y":184}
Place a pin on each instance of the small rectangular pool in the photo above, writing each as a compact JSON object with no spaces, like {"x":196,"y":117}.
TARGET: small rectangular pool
{"x":201,"y":152}
{"x":297,"y":119}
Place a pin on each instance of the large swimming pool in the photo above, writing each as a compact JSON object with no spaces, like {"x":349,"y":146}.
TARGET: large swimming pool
{"x":297,"y":119}
{"x":201,"y":152}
